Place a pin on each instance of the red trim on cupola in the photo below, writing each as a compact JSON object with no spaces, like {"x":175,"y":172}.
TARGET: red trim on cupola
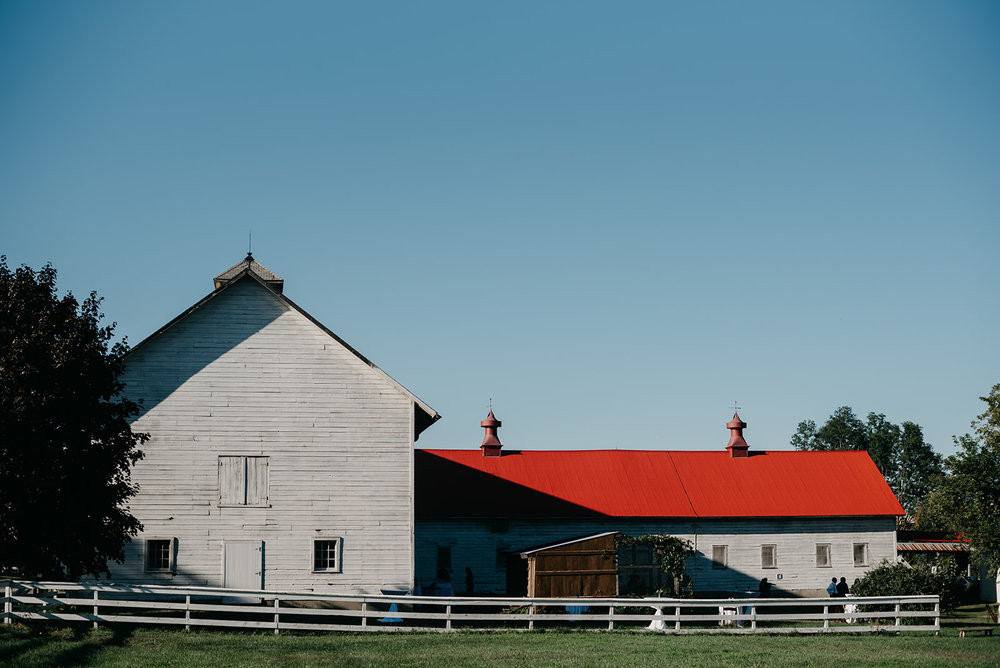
{"x":737,"y":446}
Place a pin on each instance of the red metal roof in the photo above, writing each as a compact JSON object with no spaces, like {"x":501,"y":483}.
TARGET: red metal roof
{"x":641,"y":483}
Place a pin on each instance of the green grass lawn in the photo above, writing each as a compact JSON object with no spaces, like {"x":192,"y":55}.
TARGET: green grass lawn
{"x":51,"y":645}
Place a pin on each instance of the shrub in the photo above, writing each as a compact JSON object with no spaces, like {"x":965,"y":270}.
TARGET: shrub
{"x":905,"y":580}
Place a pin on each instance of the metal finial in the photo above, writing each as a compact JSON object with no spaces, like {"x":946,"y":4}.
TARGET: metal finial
{"x":736,"y":407}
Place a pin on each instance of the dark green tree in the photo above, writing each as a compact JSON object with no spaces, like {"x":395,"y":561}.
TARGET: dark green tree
{"x":968,"y":498}
{"x":66,"y":446}
{"x":918,"y":468}
{"x":843,"y":431}
{"x":883,"y":443}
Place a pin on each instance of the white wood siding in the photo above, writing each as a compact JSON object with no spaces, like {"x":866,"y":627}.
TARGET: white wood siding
{"x":473,"y":545}
{"x":246,"y":376}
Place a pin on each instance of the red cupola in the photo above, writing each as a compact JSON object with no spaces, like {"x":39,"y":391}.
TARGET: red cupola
{"x":737,"y":446}
{"x":491,"y":444}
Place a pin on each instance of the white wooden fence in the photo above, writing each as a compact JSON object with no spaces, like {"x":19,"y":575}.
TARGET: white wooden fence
{"x":298,"y":611}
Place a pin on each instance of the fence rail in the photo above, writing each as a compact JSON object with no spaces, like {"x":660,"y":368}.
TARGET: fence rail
{"x":307,"y":611}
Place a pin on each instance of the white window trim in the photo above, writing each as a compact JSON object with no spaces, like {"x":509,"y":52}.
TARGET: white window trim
{"x":725,"y":562}
{"x":829,"y":555}
{"x":867,"y":558}
{"x":267,"y":482}
{"x":171,"y":542}
{"x":774,"y":553}
{"x":339,"y":554}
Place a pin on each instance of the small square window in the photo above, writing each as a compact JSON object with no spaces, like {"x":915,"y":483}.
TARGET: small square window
{"x":720,"y":556}
{"x":159,"y":555}
{"x":326,"y":555}
{"x":823,"y":555}
{"x":861,"y":554}
{"x":768,"y":556}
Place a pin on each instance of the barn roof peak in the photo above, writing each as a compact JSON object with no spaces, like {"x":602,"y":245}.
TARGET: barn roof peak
{"x":251,"y":266}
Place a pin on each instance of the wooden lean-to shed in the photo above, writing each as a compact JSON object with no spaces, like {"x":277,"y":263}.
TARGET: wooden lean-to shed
{"x":584,"y":566}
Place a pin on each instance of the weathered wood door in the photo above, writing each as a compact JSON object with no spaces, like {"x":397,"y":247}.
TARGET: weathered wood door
{"x":243,"y":564}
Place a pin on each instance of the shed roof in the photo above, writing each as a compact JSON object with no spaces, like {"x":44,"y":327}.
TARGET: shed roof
{"x":643,"y":483}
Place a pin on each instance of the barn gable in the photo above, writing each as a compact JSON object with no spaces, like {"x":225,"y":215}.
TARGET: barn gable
{"x":279,"y":456}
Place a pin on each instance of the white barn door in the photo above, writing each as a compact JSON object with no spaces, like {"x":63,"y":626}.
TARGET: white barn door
{"x":243,"y":564}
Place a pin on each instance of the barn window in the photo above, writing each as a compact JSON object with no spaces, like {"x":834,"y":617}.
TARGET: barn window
{"x":159,"y":556}
{"x":861,"y":554}
{"x":443,"y":561}
{"x":637,"y":570}
{"x":823,"y":555}
{"x":768,"y":556}
{"x":720,"y":556}
{"x":243,"y":481}
{"x":326,"y":555}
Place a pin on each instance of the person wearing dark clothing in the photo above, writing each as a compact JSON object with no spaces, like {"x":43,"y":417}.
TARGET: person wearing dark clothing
{"x":470,"y":583}
{"x":842,"y":588}
{"x":764,"y":588}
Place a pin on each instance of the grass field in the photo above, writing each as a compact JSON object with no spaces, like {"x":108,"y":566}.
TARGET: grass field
{"x":123,"y":646}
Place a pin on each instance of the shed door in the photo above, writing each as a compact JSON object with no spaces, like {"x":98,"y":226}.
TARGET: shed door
{"x":243,"y":564}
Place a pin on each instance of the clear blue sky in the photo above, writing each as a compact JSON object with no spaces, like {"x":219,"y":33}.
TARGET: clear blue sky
{"x":613,"y":218}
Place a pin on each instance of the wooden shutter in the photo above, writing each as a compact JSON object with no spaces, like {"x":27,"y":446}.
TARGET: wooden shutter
{"x":256,"y":481}
{"x":232,"y":490}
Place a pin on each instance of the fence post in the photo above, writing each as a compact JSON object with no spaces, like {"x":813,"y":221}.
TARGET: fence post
{"x":611,"y":621}
{"x":364,"y":613}
{"x":677,"y":622}
{"x":531,"y":617}
{"x":187,"y":612}
{"x":826,"y":618}
{"x":277,"y":605}
{"x":898,"y":620}
{"x":95,"y":608}
{"x":8,"y":605}
{"x":753,"y":618}
{"x":447,"y":616}
{"x":937,"y":617}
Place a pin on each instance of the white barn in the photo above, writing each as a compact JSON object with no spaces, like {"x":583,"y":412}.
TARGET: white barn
{"x":795,"y":518}
{"x":279,"y":457}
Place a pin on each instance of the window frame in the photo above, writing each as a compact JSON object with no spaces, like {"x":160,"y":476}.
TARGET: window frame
{"x":244,"y":481}
{"x":337,"y":554}
{"x":774,"y":556}
{"x":865,"y":557}
{"x":724,"y":564}
{"x":829,"y":555}
{"x":147,"y":553}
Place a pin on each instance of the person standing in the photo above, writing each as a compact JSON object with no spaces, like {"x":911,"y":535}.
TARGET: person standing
{"x":764,"y":588}
{"x":831,"y":588}
{"x":842,"y":588}
{"x":470,"y":582}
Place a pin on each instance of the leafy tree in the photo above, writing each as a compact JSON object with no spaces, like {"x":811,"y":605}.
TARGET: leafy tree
{"x":804,"y":437}
{"x":968,"y":498}
{"x":843,"y":431}
{"x":66,"y":446}
{"x":918,"y":468}
{"x":883,"y":442}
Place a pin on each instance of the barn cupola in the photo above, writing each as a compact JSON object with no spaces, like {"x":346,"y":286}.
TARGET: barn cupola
{"x":737,"y":446}
{"x":491,"y":444}
{"x":248,"y":265}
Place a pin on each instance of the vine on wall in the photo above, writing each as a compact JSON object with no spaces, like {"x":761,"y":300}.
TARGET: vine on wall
{"x":670,"y":554}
